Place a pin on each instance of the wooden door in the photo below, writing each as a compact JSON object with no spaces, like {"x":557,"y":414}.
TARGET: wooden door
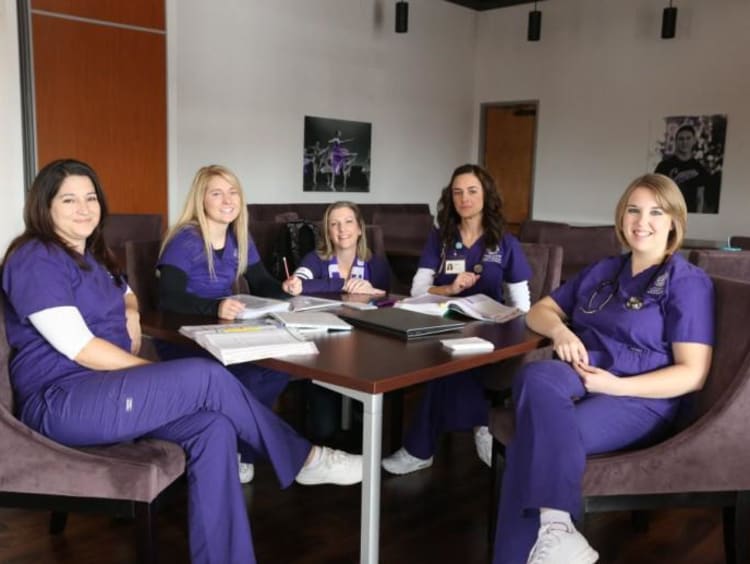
{"x":99,"y":71}
{"x":508,"y":144}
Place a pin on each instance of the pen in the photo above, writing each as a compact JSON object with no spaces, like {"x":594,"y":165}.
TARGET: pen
{"x":286,"y":267}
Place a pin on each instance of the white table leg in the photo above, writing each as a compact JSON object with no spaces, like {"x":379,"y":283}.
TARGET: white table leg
{"x":372,"y":436}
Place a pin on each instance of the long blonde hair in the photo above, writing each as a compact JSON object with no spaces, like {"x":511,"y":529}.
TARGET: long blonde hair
{"x":194,"y":215}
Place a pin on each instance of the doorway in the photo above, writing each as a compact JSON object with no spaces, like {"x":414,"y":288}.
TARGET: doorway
{"x":507,"y":148}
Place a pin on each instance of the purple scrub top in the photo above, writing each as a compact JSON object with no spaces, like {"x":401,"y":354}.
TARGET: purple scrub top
{"x":505,"y":264}
{"x":40,"y":276}
{"x":322,"y":275}
{"x":678,"y":307}
{"x":186,"y":251}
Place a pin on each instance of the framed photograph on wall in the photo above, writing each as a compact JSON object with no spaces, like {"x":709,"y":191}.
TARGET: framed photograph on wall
{"x":336,"y":155}
{"x":690,"y":150}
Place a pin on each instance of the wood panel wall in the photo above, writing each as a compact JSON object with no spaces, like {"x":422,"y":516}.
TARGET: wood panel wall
{"x":100,"y":94}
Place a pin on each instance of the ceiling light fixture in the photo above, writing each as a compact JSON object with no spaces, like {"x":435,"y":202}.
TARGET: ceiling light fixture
{"x":535,"y":24}
{"x":669,"y":22}
{"x":402,"y":16}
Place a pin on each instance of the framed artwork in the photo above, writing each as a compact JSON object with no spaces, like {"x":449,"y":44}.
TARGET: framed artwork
{"x":690,"y":150}
{"x":336,"y":155}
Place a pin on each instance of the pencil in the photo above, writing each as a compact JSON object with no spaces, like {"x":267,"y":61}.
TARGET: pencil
{"x":286,"y":267}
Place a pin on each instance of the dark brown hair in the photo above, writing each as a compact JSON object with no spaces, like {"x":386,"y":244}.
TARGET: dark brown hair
{"x":493,"y":221}
{"x":37,"y":215}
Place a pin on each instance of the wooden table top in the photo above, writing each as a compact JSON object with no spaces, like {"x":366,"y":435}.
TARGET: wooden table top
{"x":371,"y":362}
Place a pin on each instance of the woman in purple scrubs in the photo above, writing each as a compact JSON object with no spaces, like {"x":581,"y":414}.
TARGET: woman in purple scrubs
{"x":632,"y":334}
{"x":74,"y":327}
{"x":344,"y":262}
{"x":203,"y":256}
{"x":468,"y":253}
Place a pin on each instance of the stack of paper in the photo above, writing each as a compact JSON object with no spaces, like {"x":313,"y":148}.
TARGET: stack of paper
{"x":234,"y":343}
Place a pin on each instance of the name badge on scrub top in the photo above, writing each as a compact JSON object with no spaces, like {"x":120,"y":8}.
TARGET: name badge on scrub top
{"x":455,"y":266}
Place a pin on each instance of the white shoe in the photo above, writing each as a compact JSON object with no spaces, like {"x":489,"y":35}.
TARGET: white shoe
{"x":558,"y":543}
{"x":247,"y":471}
{"x":483,"y":442}
{"x":401,"y":462}
{"x":332,"y":467}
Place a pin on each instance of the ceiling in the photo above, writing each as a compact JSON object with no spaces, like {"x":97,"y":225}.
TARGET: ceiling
{"x":489,"y":4}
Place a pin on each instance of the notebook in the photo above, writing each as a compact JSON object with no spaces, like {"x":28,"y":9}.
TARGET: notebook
{"x":311,"y":320}
{"x":400,"y":322}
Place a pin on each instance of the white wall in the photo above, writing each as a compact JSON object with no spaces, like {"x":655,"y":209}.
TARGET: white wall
{"x":601,"y":74}
{"x":11,"y":146}
{"x":244,"y":73}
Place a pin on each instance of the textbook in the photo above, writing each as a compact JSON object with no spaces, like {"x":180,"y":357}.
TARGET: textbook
{"x":235,"y":342}
{"x":311,"y":320}
{"x":478,"y":306}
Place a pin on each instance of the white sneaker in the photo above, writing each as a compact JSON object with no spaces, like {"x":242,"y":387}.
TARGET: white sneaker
{"x":247,"y":471}
{"x":483,"y":442}
{"x":558,"y":543}
{"x":401,"y":462}
{"x":332,"y":467}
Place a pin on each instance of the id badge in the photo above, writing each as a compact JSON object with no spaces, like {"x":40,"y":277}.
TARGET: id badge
{"x":455,"y":266}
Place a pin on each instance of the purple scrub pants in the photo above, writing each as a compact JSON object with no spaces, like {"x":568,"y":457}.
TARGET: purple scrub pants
{"x":554,"y":432}
{"x":195,"y":403}
{"x":265,"y":384}
{"x":453,"y":403}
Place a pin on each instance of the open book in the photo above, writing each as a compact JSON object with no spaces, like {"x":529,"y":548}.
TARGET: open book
{"x":478,"y":306}
{"x":235,"y":342}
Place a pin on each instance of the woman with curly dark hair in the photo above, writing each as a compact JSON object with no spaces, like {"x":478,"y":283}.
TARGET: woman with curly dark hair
{"x":468,"y":253}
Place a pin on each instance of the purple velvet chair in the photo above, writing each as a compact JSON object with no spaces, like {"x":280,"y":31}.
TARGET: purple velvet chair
{"x":123,"y":480}
{"x":119,"y":228}
{"x":730,"y":264}
{"x":582,"y":246}
{"x":706,"y":461}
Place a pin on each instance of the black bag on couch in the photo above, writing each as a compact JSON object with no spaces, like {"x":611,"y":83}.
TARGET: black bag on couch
{"x":298,"y":238}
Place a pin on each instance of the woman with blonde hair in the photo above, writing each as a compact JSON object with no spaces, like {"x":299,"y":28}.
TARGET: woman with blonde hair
{"x":206,"y":252}
{"x":343,"y":263}
{"x":632,"y":335}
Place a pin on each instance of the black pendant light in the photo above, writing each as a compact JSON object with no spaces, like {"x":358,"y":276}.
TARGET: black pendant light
{"x":535,"y":25}
{"x":402,"y":16}
{"x":669,"y":22}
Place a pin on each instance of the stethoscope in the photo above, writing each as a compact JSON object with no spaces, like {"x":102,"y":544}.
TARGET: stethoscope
{"x":633,"y":303}
{"x":458,"y":247}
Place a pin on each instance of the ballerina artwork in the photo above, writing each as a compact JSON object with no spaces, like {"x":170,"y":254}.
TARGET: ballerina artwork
{"x":340,"y":159}
{"x":332,"y":153}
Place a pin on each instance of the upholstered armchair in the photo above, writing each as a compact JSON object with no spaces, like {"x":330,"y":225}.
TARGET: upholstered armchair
{"x":707,"y":459}
{"x":124,"y":480}
{"x":731,"y":264}
{"x":582,"y":245}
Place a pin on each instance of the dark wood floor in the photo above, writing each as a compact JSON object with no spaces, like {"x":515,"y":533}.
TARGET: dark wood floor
{"x":436,"y":515}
